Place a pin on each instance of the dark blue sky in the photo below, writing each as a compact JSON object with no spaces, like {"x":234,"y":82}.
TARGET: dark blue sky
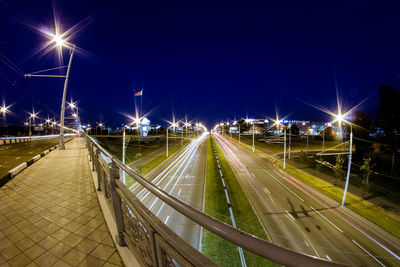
{"x":211,"y":60}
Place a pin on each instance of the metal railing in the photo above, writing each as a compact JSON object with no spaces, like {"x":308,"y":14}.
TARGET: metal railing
{"x":155,"y":244}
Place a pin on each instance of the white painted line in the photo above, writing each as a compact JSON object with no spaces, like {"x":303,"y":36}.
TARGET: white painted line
{"x":219,"y":167}
{"x":180,"y":189}
{"x":253,"y":175}
{"x":17,"y":157}
{"x":368,"y":253}
{"x":290,"y":216}
{"x":266,"y":190}
{"x":30,"y":152}
{"x":328,"y":257}
{"x":340,"y":230}
{"x":166,"y":220}
{"x":289,"y":189}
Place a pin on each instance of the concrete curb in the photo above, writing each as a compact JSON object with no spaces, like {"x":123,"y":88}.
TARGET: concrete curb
{"x":13,"y":141}
{"x":12,"y":173}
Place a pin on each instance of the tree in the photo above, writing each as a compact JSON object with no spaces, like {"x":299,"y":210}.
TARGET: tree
{"x":338,"y":168}
{"x":294,"y":129}
{"x":328,"y":131}
{"x":388,"y":118}
{"x":361,"y":130}
{"x":367,"y":171}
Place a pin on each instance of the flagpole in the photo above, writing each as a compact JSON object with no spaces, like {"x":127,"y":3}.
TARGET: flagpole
{"x":141,"y":104}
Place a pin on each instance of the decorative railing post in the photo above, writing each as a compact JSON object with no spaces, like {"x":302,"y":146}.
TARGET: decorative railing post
{"x":91,"y":155}
{"x":116,"y":201}
{"x":97,"y":166}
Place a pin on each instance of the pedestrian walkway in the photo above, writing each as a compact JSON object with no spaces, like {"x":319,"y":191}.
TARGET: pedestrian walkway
{"x":50,"y":215}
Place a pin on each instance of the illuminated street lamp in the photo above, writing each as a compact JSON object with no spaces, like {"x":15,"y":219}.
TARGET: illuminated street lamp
{"x":173,"y":125}
{"x":32,"y":115}
{"x":58,"y":41}
{"x":341,"y":118}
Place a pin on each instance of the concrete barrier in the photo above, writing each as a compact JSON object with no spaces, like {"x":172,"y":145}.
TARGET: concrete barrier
{"x":17,"y":169}
{"x":36,"y":158}
{"x":1,"y":142}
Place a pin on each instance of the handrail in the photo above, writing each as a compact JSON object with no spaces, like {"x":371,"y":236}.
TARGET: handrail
{"x":247,"y":241}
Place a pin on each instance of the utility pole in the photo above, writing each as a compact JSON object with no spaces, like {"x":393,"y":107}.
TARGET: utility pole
{"x":290,"y":139}
{"x":253,"y":136}
{"x":349,"y":166}
{"x":167,"y":142}
{"x":284,"y":149}
{"x":123,"y":156}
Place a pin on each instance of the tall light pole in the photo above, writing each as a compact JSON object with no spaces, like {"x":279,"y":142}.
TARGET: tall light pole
{"x":323,"y":139}
{"x":253,"y":147}
{"x":340,"y":119}
{"x":32,"y":115}
{"x":59,"y":42}
{"x":4,"y":110}
{"x":290,"y":138}
{"x":174,"y":125}
{"x":123,"y":156}
{"x":284,"y":149}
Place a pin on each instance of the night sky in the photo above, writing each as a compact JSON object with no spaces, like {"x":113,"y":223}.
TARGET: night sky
{"x":212,"y":60}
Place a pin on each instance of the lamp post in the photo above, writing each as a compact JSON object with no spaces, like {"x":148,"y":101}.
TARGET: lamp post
{"x":284,"y":149}
{"x":32,"y":115}
{"x":349,"y":165}
{"x":253,"y":147}
{"x":4,"y":110}
{"x":290,"y":138}
{"x":59,"y":42}
{"x":123,"y":156}
{"x":323,"y":139}
{"x":172,"y":125}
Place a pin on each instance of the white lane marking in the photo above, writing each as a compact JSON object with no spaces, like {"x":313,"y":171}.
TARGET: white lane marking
{"x":166,"y":220}
{"x":368,"y":253}
{"x":290,"y":216}
{"x":253,"y":175}
{"x":266,"y":190}
{"x":17,"y":157}
{"x":340,"y":230}
{"x":30,"y":152}
{"x":288,"y":189}
{"x":220,"y":172}
{"x":328,"y":257}
{"x":14,"y":150}
{"x":180,"y":189}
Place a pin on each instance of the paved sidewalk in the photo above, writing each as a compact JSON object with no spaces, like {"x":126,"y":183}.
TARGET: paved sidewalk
{"x":50,"y":215}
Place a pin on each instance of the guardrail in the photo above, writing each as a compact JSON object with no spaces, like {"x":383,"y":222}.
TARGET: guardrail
{"x":13,"y":140}
{"x":153,"y":243}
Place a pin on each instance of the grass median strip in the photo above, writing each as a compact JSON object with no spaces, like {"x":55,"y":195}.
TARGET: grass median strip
{"x":216,"y":205}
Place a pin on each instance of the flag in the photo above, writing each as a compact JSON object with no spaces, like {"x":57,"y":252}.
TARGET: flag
{"x":140,"y":93}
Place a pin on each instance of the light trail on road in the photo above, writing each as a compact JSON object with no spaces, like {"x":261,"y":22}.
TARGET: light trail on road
{"x":239,"y":157}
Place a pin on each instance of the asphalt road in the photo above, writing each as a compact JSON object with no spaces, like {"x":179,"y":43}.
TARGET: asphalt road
{"x":297,"y":217}
{"x":183,"y":177}
{"x":12,"y":155}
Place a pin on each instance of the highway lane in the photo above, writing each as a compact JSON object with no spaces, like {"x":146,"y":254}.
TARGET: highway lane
{"x":12,"y":155}
{"x":296,"y":216}
{"x":184,"y":179}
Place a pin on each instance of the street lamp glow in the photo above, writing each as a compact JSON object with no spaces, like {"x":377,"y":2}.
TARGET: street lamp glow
{"x":3,"y":109}
{"x":58,"y":40}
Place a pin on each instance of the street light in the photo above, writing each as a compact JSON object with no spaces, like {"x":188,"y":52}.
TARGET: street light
{"x":341,"y":118}
{"x":32,"y":115}
{"x":173,"y":124}
{"x":59,"y":42}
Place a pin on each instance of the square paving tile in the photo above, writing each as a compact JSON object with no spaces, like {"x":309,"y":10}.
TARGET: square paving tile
{"x":19,"y":260}
{"x":10,"y":252}
{"x":87,"y":246}
{"x":74,"y":257}
{"x":48,"y":242}
{"x":46,"y":259}
{"x":34,"y":251}
{"x":90,"y":261}
{"x":73,"y":239}
{"x":60,"y":249}
{"x":102,"y":252}
{"x":24,"y":243}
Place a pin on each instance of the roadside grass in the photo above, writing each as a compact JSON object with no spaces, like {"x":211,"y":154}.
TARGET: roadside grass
{"x":296,"y":145}
{"x":217,"y":206}
{"x":386,"y":220}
